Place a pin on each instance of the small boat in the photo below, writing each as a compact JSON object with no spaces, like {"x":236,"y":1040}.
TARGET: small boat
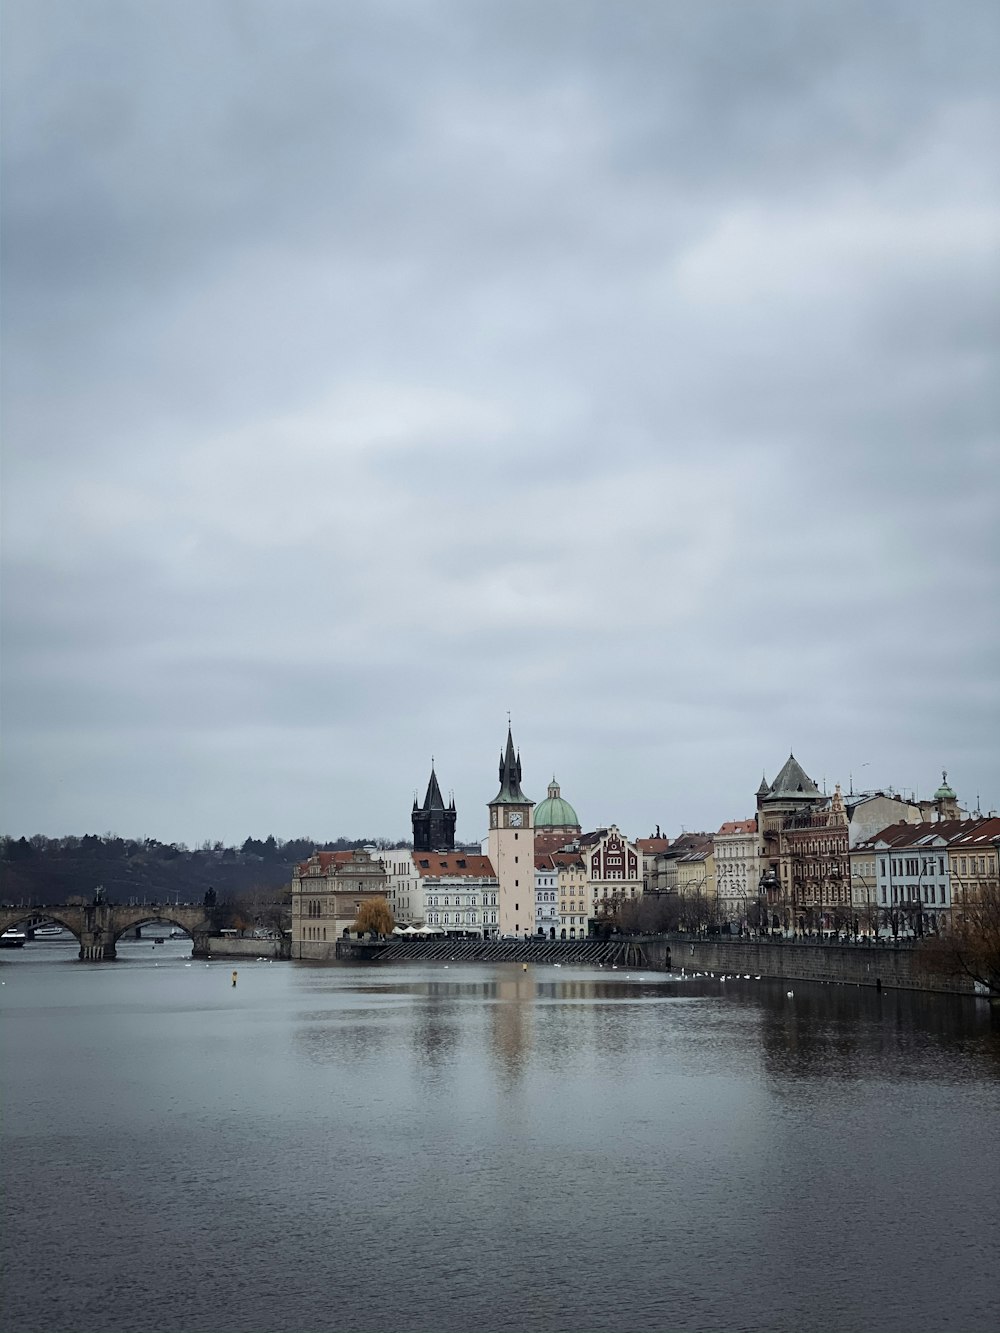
{"x":51,"y":932}
{"x":12,"y":939}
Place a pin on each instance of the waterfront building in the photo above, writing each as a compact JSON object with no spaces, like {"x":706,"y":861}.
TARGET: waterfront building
{"x":547,"y":919}
{"x":566,"y":872}
{"x":613,"y":866}
{"x":785,"y":806}
{"x":736,"y":871}
{"x":511,"y":847}
{"x":911,"y":876}
{"x":327,"y":892}
{"x":404,"y":886}
{"x":664,"y":875}
{"x":865,"y":911}
{"x":912,"y":879}
{"x":974,"y":864}
{"x":652,"y":850}
{"x":573,"y":895}
{"x":696,"y":886}
{"x":814,"y":853}
{"x":459,"y":891}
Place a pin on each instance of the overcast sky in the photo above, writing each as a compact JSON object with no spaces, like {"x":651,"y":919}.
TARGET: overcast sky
{"x":372,"y":369}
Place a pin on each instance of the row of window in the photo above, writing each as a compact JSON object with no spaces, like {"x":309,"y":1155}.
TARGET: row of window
{"x":439,"y":900}
{"x":983,"y":863}
{"x":910,"y":865}
{"x":455,"y":919}
{"x":907,"y":893}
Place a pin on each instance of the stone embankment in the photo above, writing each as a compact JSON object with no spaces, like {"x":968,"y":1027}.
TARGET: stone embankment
{"x":889,"y":966}
{"x":618,"y":952}
{"x":226,"y":946}
{"x":895,"y":966}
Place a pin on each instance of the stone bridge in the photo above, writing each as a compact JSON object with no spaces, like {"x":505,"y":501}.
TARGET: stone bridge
{"x":99,"y":926}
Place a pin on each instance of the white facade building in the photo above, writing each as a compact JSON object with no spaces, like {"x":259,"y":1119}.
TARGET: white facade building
{"x":404,"y":887}
{"x":736,"y":870}
{"x":912,"y":879}
{"x":547,"y":919}
{"x":459,"y":892}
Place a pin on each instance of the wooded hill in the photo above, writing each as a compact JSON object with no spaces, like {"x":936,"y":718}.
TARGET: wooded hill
{"x":42,"y":870}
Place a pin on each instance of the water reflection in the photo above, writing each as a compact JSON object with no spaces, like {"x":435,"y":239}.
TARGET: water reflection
{"x":511,"y":1030}
{"x":826,"y":1032}
{"x":550,"y":1149}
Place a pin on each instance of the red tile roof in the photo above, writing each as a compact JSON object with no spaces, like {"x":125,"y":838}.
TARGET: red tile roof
{"x":551,"y":842}
{"x":557,"y":860}
{"x":910,"y":835}
{"x":325,"y":860}
{"x":976,"y":833}
{"x":652,"y":845}
{"x":467,"y":865}
{"x":738,"y":826}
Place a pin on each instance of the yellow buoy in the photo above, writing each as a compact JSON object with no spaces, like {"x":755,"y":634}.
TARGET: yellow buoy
{"x":234,"y":977}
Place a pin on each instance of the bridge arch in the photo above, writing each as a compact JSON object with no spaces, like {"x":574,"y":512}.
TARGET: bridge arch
{"x":57,"y":916}
{"x":154,"y":919}
{"x":99,"y":925}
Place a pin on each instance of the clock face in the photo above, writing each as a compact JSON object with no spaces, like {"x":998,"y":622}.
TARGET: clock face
{"x":515,"y":820}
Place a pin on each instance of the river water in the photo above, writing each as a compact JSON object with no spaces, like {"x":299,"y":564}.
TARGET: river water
{"x":477,"y":1148}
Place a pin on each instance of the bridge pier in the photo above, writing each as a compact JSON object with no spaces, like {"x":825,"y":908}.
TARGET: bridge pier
{"x":95,"y":949}
{"x":97,"y":938}
{"x":98,"y":925}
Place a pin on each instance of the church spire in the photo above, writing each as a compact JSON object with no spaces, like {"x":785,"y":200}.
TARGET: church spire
{"x":510,"y":776}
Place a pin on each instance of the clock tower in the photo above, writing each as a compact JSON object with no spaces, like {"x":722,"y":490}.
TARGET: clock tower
{"x":512,"y":848}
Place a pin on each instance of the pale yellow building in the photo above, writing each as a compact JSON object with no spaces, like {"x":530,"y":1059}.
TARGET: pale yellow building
{"x":974,"y":865}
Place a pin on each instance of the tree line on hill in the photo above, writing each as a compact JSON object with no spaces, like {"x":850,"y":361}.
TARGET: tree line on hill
{"x":41,"y":870}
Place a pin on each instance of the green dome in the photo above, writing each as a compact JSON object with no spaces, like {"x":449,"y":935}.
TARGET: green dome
{"x":944,"y":792}
{"x":554,"y":812}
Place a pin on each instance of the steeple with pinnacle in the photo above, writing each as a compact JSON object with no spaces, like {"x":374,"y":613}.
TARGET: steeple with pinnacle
{"x":510,"y":792}
{"x":433,"y":822}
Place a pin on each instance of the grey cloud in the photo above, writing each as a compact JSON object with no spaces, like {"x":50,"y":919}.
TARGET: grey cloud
{"x":369,"y":371}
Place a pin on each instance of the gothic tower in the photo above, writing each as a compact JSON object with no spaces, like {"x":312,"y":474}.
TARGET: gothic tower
{"x":433,"y":822}
{"x":512,"y":848}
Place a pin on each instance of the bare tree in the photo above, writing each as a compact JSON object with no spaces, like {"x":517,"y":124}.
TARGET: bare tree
{"x":971,"y":947}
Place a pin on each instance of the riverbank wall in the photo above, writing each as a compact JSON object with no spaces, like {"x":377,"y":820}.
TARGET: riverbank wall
{"x":894,"y":967}
{"x":229,"y":947}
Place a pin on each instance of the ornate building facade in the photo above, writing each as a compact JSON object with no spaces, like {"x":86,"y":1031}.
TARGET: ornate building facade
{"x":613,"y":867}
{"x":327,"y":891}
{"x":805,"y":881}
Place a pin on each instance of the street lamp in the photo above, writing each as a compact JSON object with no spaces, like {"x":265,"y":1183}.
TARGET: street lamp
{"x":768,"y":881}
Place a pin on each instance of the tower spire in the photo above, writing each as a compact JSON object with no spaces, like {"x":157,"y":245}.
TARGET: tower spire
{"x":433,"y":822}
